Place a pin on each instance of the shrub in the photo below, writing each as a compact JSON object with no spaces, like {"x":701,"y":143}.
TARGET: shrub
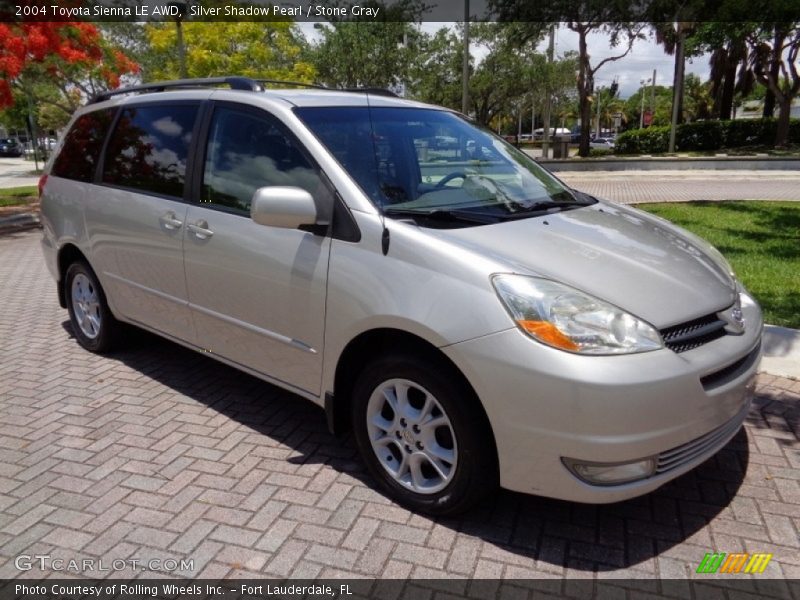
{"x":652,"y":140}
{"x":701,"y":135}
{"x":704,"y":136}
{"x":750,"y":132}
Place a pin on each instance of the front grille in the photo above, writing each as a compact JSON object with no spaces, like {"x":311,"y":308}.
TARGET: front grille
{"x":693,"y":334}
{"x":685,"y":453}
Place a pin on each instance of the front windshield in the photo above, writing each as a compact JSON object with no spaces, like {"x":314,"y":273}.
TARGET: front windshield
{"x":432,"y":162}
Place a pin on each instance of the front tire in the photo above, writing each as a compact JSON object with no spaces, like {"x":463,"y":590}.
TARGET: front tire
{"x":422,"y":435}
{"x":94,"y":326}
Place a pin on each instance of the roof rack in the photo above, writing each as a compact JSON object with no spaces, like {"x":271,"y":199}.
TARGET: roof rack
{"x":236,"y":83}
{"x":294,"y":83}
{"x":371,"y":90}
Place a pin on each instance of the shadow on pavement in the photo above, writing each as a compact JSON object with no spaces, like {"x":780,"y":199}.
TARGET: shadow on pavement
{"x":554,"y":533}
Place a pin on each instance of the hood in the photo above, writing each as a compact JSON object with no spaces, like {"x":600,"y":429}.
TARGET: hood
{"x":633,"y":260}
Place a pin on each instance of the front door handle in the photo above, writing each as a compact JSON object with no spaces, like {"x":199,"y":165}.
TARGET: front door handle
{"x":200,"y":230}
{"x":170,"y":222}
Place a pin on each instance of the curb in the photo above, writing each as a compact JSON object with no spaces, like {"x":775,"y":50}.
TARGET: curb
{"x":19,"y":222}
{"x":726,"y":163}
{"x":781,"y":352}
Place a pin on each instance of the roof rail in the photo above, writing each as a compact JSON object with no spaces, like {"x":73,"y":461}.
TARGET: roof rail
{"x":371,"y":90}
{"x":236,"y":83}
{"x":294,"y":83}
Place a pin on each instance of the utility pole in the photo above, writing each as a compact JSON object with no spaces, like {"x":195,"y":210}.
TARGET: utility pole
{"x":465,"y":64}
{"x":549,"y":96}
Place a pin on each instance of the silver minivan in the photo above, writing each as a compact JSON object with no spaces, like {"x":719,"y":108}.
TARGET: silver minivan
{"x":470,"y":318}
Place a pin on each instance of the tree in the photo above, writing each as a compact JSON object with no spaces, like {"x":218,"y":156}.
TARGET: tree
{"x":662,"y":111}
{"x":621,"y":34}
{"x":266,"y":50}
{"x":504,"y":75}
{"x":730,"y":75}
{"x":57,"y":63}
{"x":620,"y":20}
{"x":368,"y":52}
{"x":435,"y":75}
{"x":777,"y":43}
{"x":697,"y":99}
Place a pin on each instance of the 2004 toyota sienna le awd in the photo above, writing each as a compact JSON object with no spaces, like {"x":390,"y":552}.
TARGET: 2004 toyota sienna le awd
{"x":473,"y":320}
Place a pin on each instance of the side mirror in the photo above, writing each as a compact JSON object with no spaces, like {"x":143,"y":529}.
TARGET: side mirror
{"x":287,"y":207}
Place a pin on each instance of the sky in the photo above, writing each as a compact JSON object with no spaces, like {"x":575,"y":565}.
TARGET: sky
{"x":638,"y":65}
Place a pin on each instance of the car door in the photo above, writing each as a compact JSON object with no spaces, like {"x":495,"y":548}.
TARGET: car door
{"x":135,"y":219}
{"x":257,"y":293}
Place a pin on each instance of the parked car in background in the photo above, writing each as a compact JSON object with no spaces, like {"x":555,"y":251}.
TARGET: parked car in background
{"x":602,"y":143}
{"x":474,"y":321}
{"x":554,"y":131}
{"x":10,"y":147}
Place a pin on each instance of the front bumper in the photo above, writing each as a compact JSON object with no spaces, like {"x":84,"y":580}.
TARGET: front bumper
{"x":545,"y":405}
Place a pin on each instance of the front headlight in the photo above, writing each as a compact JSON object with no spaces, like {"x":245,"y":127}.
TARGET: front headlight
{"x":571,"y":320}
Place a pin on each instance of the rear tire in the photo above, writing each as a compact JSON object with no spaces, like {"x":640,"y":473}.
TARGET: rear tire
{"x":422,"y":434}
{"x":94,"y":326}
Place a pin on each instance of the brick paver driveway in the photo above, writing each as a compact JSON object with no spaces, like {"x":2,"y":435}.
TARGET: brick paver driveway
{"x":160,"y":452}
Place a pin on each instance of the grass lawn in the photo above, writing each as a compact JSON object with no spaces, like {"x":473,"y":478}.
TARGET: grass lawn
{"x":761,"y":239}
{"x":18,"y":195}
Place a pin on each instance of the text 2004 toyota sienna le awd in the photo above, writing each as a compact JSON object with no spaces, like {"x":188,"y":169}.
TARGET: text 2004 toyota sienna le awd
{"x":472,"y":319}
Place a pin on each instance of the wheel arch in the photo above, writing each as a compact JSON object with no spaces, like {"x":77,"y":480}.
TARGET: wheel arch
{"x":67,"y":254}
{"x":371,"y":344}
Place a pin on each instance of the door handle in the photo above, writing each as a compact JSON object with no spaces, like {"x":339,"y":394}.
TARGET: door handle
{"x":200,"y":230}
{"x":170,"y":222}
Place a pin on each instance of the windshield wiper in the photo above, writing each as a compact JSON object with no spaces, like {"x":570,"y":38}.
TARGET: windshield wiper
{"x":440,"y":214}
{"x":545,"y":205}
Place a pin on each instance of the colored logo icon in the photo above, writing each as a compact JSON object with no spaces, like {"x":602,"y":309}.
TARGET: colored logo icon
{"x":720,"y":562}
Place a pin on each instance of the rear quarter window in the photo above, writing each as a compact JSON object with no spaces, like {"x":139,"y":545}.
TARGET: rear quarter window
{"x":82,"y":146}
{"x":149,"y":148}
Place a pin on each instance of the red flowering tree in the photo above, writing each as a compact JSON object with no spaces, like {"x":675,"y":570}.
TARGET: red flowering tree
{"x":71,"y":59}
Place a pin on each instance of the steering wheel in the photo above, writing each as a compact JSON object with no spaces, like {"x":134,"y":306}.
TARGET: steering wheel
{"x":449,"y":177}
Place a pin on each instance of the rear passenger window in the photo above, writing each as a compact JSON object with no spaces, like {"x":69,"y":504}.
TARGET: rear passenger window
{"x":82,"y":146}
{"x":248,"y":151}
{"x":149,"y":147}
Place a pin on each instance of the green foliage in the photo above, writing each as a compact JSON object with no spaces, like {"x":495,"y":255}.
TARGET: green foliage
{"x":704,"y":136}
{"x":700,"y":135}
{"x":435,"y":73}
{"x":17,"y":196}
{"x":365,"y":52}
{"x":269,"y":50}
{"x":652,"y":140}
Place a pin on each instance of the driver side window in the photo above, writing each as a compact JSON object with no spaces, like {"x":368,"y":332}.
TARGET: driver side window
{"x":246,"y":151}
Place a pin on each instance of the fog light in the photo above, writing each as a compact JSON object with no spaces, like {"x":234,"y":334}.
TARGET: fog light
{"x":611,"y":473}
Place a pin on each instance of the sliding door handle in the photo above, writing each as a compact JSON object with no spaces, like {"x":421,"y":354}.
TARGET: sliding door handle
{"x":170,"y":222}
{"x":200,"y":230}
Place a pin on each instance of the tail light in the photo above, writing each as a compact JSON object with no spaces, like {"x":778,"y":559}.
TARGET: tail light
{"x":42,"y":182}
